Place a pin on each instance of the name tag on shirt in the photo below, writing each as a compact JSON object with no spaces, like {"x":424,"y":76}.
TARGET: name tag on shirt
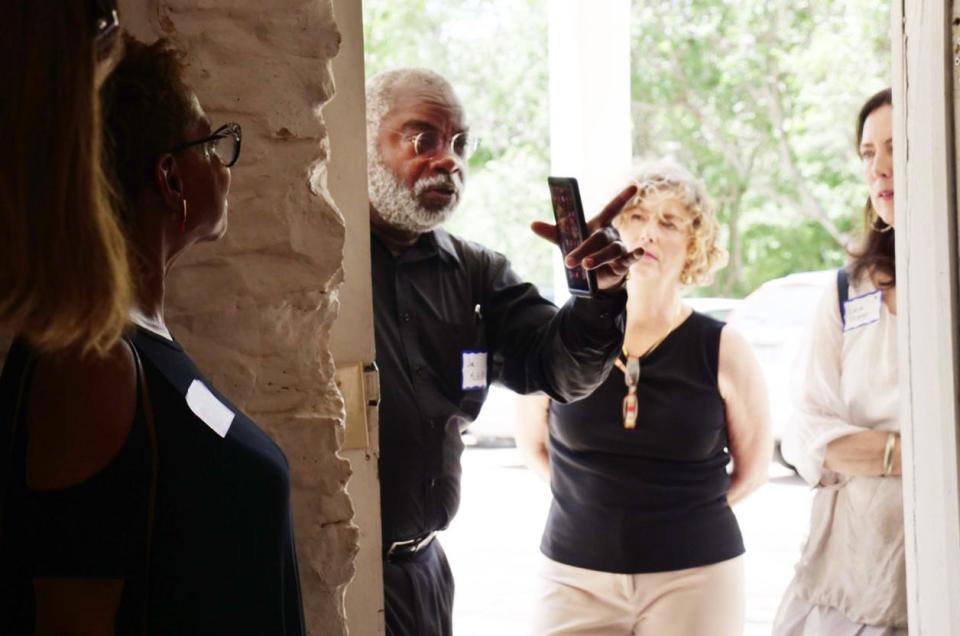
{"x":862,"y":310}
{"x":474,"y":370}
{"x":209,"y":408}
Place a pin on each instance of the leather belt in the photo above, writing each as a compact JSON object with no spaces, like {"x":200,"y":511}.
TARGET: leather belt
{"x":400,"y":549}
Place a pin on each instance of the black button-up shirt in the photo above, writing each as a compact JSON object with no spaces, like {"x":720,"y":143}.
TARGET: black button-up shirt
{"x":440,"y":304}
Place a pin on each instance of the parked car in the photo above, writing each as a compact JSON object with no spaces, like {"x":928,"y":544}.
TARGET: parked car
{"x":773,"y":319}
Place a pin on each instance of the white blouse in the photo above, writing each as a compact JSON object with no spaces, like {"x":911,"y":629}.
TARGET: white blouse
{"x":853,"y":558}
{"x":845,"y":383}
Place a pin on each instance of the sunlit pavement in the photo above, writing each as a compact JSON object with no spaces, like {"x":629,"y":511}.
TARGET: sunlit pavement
{"x":493,"y":544}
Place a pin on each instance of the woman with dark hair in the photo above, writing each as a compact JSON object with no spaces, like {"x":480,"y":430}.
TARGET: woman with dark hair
{"x":64,"y":281}
{"x":137,"y":498}
{"x":845,"y":438}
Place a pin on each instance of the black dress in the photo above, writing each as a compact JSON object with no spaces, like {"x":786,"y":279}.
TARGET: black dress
{"x":221,"y":558}
{"x":653,"y":498}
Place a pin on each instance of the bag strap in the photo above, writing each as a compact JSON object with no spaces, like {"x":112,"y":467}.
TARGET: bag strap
{"x":25,"y":378}
{"x":843,"y":293}
{"x":147,"y":406}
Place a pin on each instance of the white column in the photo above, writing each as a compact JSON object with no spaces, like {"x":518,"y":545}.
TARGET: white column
{"x":590,"y":128}
{"x":928,"y":310}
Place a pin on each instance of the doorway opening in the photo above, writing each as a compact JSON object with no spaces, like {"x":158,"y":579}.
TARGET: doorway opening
{"x":756,"y":98}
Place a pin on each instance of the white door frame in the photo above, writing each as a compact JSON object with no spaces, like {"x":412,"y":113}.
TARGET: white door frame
{"x":927,"y":278}
{"x":925,"y":183}
{"x":352,"y":340}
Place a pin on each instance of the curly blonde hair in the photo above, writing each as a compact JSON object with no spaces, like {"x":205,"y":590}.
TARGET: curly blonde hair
{"x":664,"y":177}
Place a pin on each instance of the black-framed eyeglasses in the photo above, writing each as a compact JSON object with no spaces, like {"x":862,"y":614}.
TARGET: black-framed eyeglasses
{"x":106,"y":25}
{"x":429,"y":142}
{"x":224,"y":144}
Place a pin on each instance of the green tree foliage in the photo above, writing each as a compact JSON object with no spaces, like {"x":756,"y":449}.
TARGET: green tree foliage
{"x":757,"y":97}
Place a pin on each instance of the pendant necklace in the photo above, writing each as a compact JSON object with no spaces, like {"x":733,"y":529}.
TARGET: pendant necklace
{"x":630,"y":366}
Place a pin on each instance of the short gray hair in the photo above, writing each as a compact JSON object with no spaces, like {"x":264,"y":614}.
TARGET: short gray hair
{"x":382,"y":90}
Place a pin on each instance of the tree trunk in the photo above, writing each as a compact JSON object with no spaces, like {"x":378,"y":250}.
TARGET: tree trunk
{"x":734,"y":270}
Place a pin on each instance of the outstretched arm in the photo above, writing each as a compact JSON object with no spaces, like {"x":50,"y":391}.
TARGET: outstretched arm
{"x":568,"y":355}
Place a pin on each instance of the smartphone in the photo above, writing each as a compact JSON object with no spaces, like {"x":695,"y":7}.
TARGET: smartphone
{"x":571,"y":231}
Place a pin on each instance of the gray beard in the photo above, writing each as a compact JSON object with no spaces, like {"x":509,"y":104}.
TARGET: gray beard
{"x":398,"y":206}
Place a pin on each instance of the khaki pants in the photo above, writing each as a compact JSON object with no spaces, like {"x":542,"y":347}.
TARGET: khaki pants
{"x":707,"y":600}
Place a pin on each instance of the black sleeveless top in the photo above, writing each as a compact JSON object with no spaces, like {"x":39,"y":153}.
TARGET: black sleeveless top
{"x":650,"y":499}
{"x":222,"y":557}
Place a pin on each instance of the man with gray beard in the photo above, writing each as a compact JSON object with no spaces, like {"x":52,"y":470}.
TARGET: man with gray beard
{"x":450,"y":317}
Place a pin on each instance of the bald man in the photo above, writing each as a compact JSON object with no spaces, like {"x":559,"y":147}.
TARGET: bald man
{"x":450,"y":317}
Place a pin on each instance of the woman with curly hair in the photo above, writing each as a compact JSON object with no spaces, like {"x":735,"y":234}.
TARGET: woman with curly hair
{"x":640,"y":538}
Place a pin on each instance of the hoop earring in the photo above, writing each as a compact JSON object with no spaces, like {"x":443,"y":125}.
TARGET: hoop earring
{"x":183,"y":216}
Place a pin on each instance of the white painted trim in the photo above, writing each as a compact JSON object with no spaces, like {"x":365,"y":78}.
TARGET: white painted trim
{"x":928,"y":311}
{"x":352,"y":337}
{"x":589,"y":45}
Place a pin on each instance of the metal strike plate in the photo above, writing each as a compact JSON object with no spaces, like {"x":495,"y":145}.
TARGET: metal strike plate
{"x":360,"y":387}
{"x":371,"y":382}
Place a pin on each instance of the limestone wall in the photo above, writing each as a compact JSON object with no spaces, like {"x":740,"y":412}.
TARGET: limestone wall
{"x":256,"y":309}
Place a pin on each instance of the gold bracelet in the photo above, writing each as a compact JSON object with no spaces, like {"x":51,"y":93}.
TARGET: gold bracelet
{"x":888,"y":454}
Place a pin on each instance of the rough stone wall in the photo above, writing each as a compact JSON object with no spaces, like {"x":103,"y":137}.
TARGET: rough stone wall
{"x":255,"y":310}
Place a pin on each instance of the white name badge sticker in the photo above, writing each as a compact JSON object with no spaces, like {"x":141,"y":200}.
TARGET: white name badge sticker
{"x":474,"y":370}
{"x":208,"y":408}
{"x":862,"y":310}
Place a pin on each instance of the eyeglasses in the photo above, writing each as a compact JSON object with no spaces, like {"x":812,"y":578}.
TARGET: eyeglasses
{"x":429,"y":142}
{"x":224,"y":144}
{"x":106,"y":26}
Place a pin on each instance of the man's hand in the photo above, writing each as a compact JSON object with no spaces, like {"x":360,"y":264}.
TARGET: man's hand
{"x":602,"y":251}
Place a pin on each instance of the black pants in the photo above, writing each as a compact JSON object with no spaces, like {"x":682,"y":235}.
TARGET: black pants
{"x":418,"y":594}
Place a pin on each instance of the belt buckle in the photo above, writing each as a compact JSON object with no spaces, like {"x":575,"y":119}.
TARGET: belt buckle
{"x":396,"y":545}
{"x":424,"y":542}
{"x":414,"y":545}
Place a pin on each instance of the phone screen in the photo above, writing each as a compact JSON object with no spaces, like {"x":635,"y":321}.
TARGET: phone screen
{"x":571,"y":230}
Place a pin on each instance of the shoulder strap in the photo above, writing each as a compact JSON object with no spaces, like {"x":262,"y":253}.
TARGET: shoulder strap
{"x":154,"y":465}
{"x":843,"y":292}
{"x":144,"y":393}
{"x":29,"y":362}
